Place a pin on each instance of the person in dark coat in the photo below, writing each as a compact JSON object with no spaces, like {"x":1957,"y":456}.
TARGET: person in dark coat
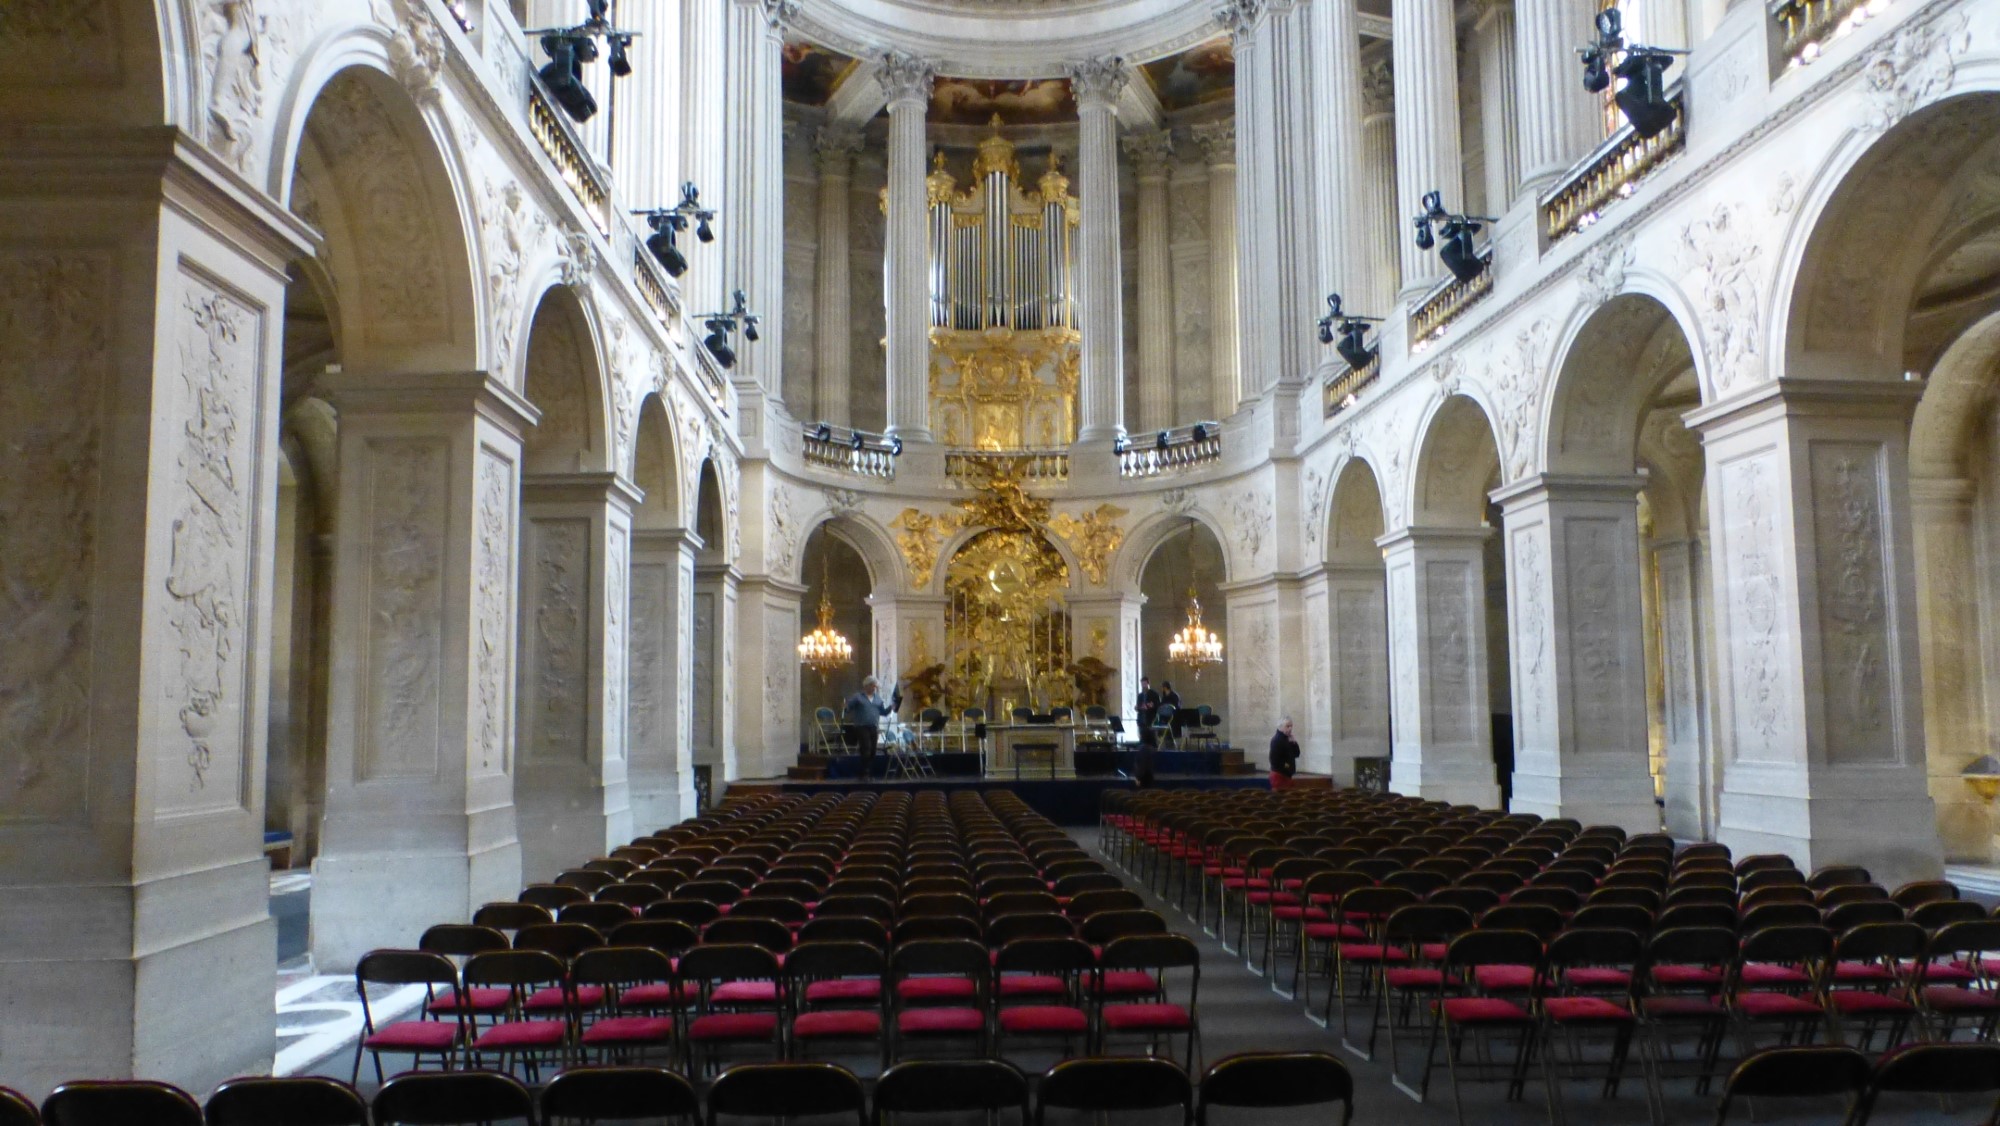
{"x":1171,"y":699}
{"x":863,"y":719}
{"x":1149,"y":743}
{"x":1284,"y":755}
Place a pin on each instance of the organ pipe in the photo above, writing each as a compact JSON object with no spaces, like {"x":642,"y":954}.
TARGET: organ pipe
{"x":1001,"y":255}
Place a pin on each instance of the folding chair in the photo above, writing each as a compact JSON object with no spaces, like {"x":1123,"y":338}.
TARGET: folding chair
{"x":442,"y":1035}
{"x":1269,"y":1080}
{"x":528,"y":1035}
{"x":1482,"y":1017}
{"x":1868,"y":987}
{"x":592,"y":1094}
{"x":785,"y":1091}
{"x":632,"y":1010}
{"x":1046,"y":979}
{"x":835,"y":991}
{"x":1586,"y":986}
{"x":1109,"y":1084}
{"x":117,"y":1102}
{"x":725,"y":1017}
{"x":1820,"y":1071}
{"x":16,"y":1110}
{"x":1135,"y":989}
{"x":1933,"y":1069}
{"x":938,"y":989}
{"x":950,"y":1087}
{"x":301,"y":1100}
{"x":1953,"y":983}
{"x":463,"y":1098}
{"x":1776,"y":981}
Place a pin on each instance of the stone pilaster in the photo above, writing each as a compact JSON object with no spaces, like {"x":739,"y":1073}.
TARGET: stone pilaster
{"x":1354,"y":675}
{"x":1425,"y":54}
{"x":705,"y":102}
{"x":1688,"y":771}
{"x":1218,"y":148}
{"x":714,"y":671}
{"x":1098,"y":84}
{"x":834,"y":149}
{"x":1819,"y":713}
{"x":1339,"y":182}
{"x":1149,"y":153}
{"x":769,"y":624}
{"x":1954,"y":659}
{"x":906,"y":82}
{"x":753,"y":237}
{"x":1106,"y":626}
{"x":1256,"y":184}
{"x":646,"y":130}
{"x":659,"y":723}
{"x":1560,"y":120}
{"x":1578,"y":650}
{"x":1443,"y":746}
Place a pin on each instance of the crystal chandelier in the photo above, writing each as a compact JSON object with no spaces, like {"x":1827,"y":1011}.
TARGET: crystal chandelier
{"x":1194,"y":648}
{"x":825,"y":649}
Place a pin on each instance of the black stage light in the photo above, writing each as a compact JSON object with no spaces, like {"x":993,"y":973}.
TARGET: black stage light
{"x":823,"y":433}
{"x":1353,"y":345}
{"x":1120,"y":444}
{"x":895,"y":446}
{"x":1596,"y":79}
{"x":1458,"y":254}
{"x":1200,"y":432}
{"x":1643,"y":97}
{"x":750,"y":329}
{"x":666,"y":252}
{"x":1424,"y":238}
{"x":856,"y":440}
{"x":563,"y":74}
{"x":718,"y":346}
{"x":1160,"y":440}
{"x":621,"y":60}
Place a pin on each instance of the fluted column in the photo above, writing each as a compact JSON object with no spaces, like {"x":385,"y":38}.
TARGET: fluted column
{"x":906,"y":82}
{"x":1559,"y":118}
{"x":1493,"y":39}
{"x":754,"y":238}
{"x":835,"y":148}
{"x":703,"y":23}
{"x":1427,"y":140}
{"x":1149,"y":153}
{"x":1380,"y":218}
{"x":1097,"y":83}
{"x":1339,"y":188}
{"x":645,"y":132}
{"x":1257,"y":269}
{"x":1218,"y":148}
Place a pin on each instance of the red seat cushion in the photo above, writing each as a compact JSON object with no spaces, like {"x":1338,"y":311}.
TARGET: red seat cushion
{"x":1686,"y":976}
{"x":1408,"y":978}
{"x":629,"y":1030}
{"x":1862,"y":971}
{"x":734,"y":1026}
{"x":517,"y":1034}
{"x":1130,"y":983}
{"x":653,"y":996}
{"x":1476,"y":1010}
{"x":414,"y":1036}
{"x":1764,"y":973}
{"x":1147,"y":1018}
{"x":745,"y":993}
{"x":1952,"y":998}
{"x":1938,"y":972}
{"x":1294,"y":912}
{"x":1047,"y":1020}
{"x":940,"y":1020}
{"x":1768,"y":1006}
{"x":550,"y":998}
{"x":480,"y":999}
{"x":1372,"y":952}
{"x":936,"y":989}
{"x":1031,"y":985}
{"x":838,"y":1022}
{"x":1433,"y":951}
{"x":1500,"y":977}
{"x":843,"y":989}
{"x":1565,"y":1009}
{"x":1597,"y":977}
{"x":1863,"y":1001}
{"x":1345,"y":932}
{"x":1682,"y":1007}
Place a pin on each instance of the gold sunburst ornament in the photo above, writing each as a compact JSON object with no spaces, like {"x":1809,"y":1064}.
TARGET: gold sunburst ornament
{"x":825,"y":648}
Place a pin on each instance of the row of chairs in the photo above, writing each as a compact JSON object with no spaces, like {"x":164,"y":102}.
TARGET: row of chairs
{"x":758,"y":1090}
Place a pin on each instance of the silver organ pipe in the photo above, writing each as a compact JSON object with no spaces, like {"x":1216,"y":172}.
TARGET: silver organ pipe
{"x":1001,"y":254}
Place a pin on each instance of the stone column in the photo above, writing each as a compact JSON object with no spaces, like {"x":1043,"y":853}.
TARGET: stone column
{"x":713,"y":665}
{"x":1954,"y":662}
{"x":1340,"y":175}
{"x":659,"y":729}
{"x":1578,"y":650}
{"x":1381,"y":220}
{"x":1218,"y":148}
{"x":704,"y":105}
{"x":906,"y":82}
{"x":767,"y":672}
{"x":571,"y":796}
{"x":1689,"y":813}
{"x":1149,"y":153}
{"x":1357,"y":675}
{"x":1425,"y":54}
{"x":1098,"y":84}
{"x":834,"y":148}
{"x":753,"y":238}
{"x":1443,"y":735}
{"x":142,"y":286}
{"x":1820,"y":711}
{"x":420,"y":821}
{"x":1493,"y":40}
{"x":1256,"y":186}
{"x":645,"y":132}
{"x":1560,"y":120}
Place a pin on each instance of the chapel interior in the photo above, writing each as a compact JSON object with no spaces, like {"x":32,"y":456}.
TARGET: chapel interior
{"x":660,"y":560}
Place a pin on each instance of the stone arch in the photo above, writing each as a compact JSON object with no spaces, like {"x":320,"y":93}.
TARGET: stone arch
{"x":656,"y":468}
{"x":565,"y":380}
{"x":1615,"y":361}
{"x":1355,"y":516}
{"x":1148,"y":535}
{"x":1457,"y":464}
{"x":869,"y":540}
{"x":368,"y":172}
{"x":958,"y":539}
{"x":711,"y":517}
{"x":1184,"y":552}
{"x":1854,"y":305}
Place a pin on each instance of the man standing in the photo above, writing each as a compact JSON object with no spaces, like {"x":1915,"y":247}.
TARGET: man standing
{"x":1284,"y":755}
{"x":863,"y":719}
{"x":1148,"y":706}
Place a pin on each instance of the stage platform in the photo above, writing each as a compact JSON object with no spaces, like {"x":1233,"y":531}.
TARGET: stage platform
{"x":1083,"y":764}
{"x":1065,"y":801}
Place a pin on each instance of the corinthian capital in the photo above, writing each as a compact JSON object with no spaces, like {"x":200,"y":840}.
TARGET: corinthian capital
{"x":905,"y":77}
{"x":1378,"y":88}
{"x":1237,"y":16}
{"x":834,"y":146}
{"x":1217,"y":140}
{"x":1149,"y":151}
{"x":1097,"y":81}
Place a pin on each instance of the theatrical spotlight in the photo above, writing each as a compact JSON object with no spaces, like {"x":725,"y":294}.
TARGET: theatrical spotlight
{"x":1452,"y":235}
{"x":668,"y":223}
{"x":1351,"y":329}
{"x":1642,"y":97}
{"x":568,"y":48}
{"x":722,"y":326}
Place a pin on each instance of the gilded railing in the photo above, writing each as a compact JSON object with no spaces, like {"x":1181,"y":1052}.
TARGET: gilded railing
{"x":712,"y":380}
{"x":1342,"y":387}
{"x":1170,"y":451}
{"x":653,"y":287}
{"x":974,"y":467}
{"x":1443,"y":305}
{"x":859,"y":452}
{"x":1611,"y":173}
{"x":575,"y":167}
{"x":1805,"y":27}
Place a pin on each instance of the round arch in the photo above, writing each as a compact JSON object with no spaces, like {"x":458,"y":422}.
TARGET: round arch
{"x":1148,"y":535}
{"x":565,"y":378}
{"x":1457,"y":463}
{"x":1355,"y":516}
{"x":656,"y":467}
{"x":958,"y":539}
{"x":1614,"y":362}
{"x":870,"y":540}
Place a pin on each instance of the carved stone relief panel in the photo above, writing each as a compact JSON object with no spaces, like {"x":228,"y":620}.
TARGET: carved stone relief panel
{"x":555,"y":641}
{"x":214,"y":402}
{"x":684,"y":662}
{"x":1257,"y":643}
{"x":704,"y":669}
{"x":492,"y":596}
{"x":1448,"y":616}
{"x":1361,"y":627}
{"x":555,"y":386}
{"x":617,"y":623}
{"x":1597,"y":634}
{"x":1858,"y":664}
{"x":648,"y":729}
{"x":1403,"y":648}
{"x":1754,"y":597}
{"x":406,"y":513}
{"x":1531,"y":626}
{"x":1677,"y":614}
{"x":55,"y":313}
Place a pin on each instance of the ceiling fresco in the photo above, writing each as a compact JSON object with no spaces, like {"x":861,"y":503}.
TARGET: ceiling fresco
{"x":1202,"y":74}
